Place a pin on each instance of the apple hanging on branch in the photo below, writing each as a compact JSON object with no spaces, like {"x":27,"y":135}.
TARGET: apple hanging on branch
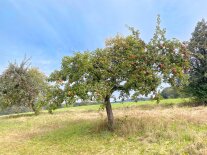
{"x":126,"y":63}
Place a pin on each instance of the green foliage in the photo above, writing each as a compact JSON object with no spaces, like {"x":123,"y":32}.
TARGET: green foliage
{"x":170,"y":57}
{"x":126,"y":63}
{"x":170,"y":92}
{"x":198,"y":73}
{"x":54,"y":98}
{"x":15,"y":109}
{"x":22,"y":86}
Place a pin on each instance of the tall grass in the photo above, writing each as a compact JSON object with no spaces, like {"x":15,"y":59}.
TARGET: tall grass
{"x":144,"y":129}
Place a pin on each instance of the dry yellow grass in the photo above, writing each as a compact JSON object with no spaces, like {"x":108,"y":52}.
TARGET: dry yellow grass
{"x":160,"y":130}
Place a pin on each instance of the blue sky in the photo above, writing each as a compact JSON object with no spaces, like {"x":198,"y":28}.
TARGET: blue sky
{"x":47,"y":30}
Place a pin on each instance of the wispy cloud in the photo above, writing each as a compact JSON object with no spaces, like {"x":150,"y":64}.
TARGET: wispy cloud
{"x":47,"y":30}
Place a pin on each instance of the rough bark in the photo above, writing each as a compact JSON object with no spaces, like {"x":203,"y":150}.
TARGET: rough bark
{"x":109,"y":113}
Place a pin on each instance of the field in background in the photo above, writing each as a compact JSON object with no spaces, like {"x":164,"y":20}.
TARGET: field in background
{"x":141,"y":128}
{"x":149,"y":103}
{"x":97,"y":107}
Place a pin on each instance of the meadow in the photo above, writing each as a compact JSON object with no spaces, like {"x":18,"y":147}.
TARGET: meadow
{"x":140,"y":128}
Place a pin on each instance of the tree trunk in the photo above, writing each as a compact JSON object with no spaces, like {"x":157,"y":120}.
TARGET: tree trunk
{"x":34,"y":109}
{"x":109,"y":113}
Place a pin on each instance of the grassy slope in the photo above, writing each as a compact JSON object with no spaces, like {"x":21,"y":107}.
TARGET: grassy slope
{"x":141,"y":128}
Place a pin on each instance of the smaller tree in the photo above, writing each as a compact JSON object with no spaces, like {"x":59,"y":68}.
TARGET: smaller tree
{"x":54,"y":98}
{"x":40,"y":86}
{"x":170,"y":92}
{"x":22,"y":86}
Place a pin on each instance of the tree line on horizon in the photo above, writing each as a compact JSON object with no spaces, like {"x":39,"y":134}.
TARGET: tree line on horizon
{"x":126,"y":64}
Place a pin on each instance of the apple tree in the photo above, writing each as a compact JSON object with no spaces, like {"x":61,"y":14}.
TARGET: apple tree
{"x":21,"y":85}
{"x":125,"y":64}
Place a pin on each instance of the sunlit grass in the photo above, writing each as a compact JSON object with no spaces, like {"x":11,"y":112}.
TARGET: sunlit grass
{"x":128,"y":104}
{"x":139,"y":129}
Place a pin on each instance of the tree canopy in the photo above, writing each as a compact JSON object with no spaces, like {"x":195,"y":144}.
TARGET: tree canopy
{"x":126,"y":63}
{"x":171,"y":92}
{"x":198,"y":73}
{"x":22,"y":86}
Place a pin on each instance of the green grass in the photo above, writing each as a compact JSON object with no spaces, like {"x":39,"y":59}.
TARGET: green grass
{"x":141,"y":128}
{"x":97,"y":107}
{"x":128,"y":104}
